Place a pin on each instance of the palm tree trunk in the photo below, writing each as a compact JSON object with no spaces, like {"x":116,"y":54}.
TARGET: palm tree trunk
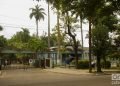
{"x":58,"y":28}
{"x":48,"y":30}
{"x":90,"y":59}
{"x":36,"y":28}
{"x":48,"y":27}
{"x":81,"y":36}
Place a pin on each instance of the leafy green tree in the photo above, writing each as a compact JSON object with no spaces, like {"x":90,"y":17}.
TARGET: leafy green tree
{"x":1,"y":28}
{"x":69,"y":27}
{"x":100,"y":43}
{"x":38,"y":14}
{"x":20,"y":39}
{"x":77,"y":9}
{"x":3,"y":45}
{"x":54,"y":37}
{"x":90,"y":10}
{"x":115,"y":5}
{"x":36,"y":44}
{"x":3,"y":42}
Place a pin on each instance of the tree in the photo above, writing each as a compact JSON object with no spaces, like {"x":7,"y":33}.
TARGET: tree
{"x":56,"y":4}
{"x":104,"y":22}
{"x":90,"y":10}
{"x":54,"y":36}
{"x":1,"y":28}
{"x":38,"y":14}
{"x":20,"y":39}
{"x":3,"y":42}
{"x":115,"y":5}
{"x":37,"y":44}
{"x":65,"y":10}
{"x":78,"y":10}
{"x":2,"y":39}
{"x":100,"y":43}
{"x":49,"y":2}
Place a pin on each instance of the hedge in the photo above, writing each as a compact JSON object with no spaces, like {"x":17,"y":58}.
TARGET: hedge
{"x":83,"y":64}
{"x":106,"y":64}
{"x":36,"y":63}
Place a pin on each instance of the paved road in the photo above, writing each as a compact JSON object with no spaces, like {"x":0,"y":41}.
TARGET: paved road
{"x":39,"y":77}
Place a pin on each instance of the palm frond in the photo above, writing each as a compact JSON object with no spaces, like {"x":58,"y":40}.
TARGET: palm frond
{"x":37,"y":12}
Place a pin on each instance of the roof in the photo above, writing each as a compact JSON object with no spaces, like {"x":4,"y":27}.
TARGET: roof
{"x":15,"y":51}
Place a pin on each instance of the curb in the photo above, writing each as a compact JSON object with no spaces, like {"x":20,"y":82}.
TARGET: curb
{"x":68,"y":73}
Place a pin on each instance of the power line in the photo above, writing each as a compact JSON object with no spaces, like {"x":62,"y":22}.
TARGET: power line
{"x":29,"y":27}
{"x":16,"y":25}
{"x":14,"y":18}
{"x":21,"y":26}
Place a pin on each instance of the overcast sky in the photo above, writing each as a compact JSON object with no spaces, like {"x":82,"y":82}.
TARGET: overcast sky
{"x":14,"y":14}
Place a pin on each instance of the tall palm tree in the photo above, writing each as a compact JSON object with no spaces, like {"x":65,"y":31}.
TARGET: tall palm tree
{"x":48,"y":26}
{"x":38,"y":13}
{"x":56,"y":5}
{"x":49,"y":2}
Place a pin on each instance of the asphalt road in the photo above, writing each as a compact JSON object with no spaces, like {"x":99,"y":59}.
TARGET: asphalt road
{"x":39,"y":77}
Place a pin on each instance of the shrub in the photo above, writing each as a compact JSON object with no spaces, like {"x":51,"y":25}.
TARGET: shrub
{"x":106,"y":64}
{"x":83,"y":64}
{"x":36,"y":63}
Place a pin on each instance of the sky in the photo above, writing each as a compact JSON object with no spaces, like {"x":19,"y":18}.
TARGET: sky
{"x":14,"y":14}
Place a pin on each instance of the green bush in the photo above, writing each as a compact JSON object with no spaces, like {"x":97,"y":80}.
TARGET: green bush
{"x":36,"y":63}
{"x":106,"y":64}
{"x":83,"y":64}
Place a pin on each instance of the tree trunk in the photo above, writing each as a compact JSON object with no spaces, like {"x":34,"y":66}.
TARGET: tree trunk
{"x":90,"y":59}
{"x":36,"y":28}
{"x":76,"y":53}
{"x":48,"y":30}
{"x":58,"y":30}
{"x":48,"y":26}
{"x":98,"y":64}
{"x":75,"y":44}
{"x":81,"y":36}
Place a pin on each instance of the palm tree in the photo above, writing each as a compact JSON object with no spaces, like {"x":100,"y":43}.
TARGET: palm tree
{"x":38,"y":14}
{"x":49,"y":2}
{"x":56,"y":5}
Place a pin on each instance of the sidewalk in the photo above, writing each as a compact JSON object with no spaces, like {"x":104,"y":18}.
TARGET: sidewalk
{"x":68,"y":71}
{"x":80,"y":71}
